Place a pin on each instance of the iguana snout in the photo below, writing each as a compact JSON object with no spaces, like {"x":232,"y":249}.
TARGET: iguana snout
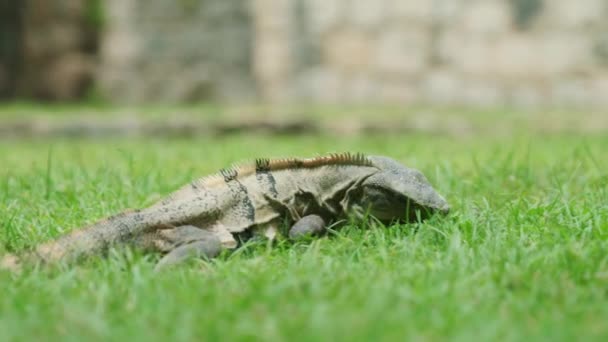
{"x":397,"y":192}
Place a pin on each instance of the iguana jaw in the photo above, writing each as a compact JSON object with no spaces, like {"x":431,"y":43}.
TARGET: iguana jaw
{"x":401,"y":209}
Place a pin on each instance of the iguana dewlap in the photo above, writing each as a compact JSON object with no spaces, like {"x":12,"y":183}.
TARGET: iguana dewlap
{"x":260,"y":198}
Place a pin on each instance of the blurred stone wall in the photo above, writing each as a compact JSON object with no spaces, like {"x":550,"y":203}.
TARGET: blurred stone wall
{"x":10,"y":46}
{"x":59,"y":50}
{"x":481,"y":52}
{"x":176,"y":51}
{"x":47,"y":49}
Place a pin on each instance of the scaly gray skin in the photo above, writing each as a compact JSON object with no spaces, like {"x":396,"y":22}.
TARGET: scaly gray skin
{"x":215,"y":212}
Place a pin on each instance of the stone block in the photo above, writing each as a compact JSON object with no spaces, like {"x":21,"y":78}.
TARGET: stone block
{"x":447,"y":12}
{"x":272,"y":58}
{"x":573,"y":15}
{"x":517,"y":56}
{"x":324,"y":15}
{"x":366,"y":14}
{"x":482,"y":92}
{"x":526,"y":95}
{"x":441,"y":86}
{"x":412,"y":12}
{"x":119,"y":47}
{"x":571,"y":92}
{"x":402,"y":51}
{"x":599,"y":90}
{"x":490,"y":17}
{"x":320,"y":84}
{"x":348,"y":50}
{"x":273,"y":15}
{"x":360,"y":88}
{"x":187,"y":51}
{"x":69,"y":77}
{"x":119,"y":13}
{"x":114,"y":84}
{"x":195,"y":83}
{"x":466,"y":53}
{"x":564,"y":52}
{"x":397,"y":91}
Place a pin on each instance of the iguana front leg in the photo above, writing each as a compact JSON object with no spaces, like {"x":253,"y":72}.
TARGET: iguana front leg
{"x":186,"y":242}
{"x":312,"y":225}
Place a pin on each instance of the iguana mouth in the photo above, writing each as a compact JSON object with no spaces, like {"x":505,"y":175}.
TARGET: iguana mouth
{"x":415,"y":211}
{"x":409,"y":212}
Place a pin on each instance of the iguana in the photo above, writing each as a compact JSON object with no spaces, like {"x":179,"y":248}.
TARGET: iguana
{"x":292,"y":197}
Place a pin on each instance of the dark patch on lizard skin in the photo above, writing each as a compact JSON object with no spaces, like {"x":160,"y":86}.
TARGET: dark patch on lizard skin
{"x":138,"y":217}
{"x":194,"y":187}
{"x":306,"y":203}
{"x":242,"y":237}
{"x":264,"y":176}
{"x":262,"y":165}
{"x":96,"y":235}
{"x":267,"y":181}
{"x":245,"y":208}
{"x":229,"y":174}
{"x":123,"y":228}
{"x":116,"y":216}
{"x":124,"y":233}
{"x":207,"y":196}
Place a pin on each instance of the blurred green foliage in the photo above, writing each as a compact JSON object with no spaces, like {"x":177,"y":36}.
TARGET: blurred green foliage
{"x":525,"y":11}
{"x":95,"y":15}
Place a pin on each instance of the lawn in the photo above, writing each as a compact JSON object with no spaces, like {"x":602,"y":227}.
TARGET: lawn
{"x":522,"y":255}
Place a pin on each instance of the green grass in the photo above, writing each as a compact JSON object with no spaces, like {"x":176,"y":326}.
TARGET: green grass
{"x":523,"y":255}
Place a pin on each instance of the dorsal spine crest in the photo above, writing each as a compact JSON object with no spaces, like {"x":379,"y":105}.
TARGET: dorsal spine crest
{"x":262,"y":165}
{"x":268,"y":165}
{"x":229,"y":174}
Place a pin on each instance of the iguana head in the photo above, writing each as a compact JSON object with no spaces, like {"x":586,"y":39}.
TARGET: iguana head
{"x":398,"y":193}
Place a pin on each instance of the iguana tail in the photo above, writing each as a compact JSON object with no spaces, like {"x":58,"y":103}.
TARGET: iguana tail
{"x":88,"y":241}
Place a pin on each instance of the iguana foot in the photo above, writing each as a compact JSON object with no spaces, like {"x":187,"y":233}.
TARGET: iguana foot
{"x":312,"y":225}
{"x":189,"y":242}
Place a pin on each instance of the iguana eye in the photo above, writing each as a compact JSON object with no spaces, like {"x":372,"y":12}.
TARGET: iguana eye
{"x":381,"y":203}
{"x":378,"y":199}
